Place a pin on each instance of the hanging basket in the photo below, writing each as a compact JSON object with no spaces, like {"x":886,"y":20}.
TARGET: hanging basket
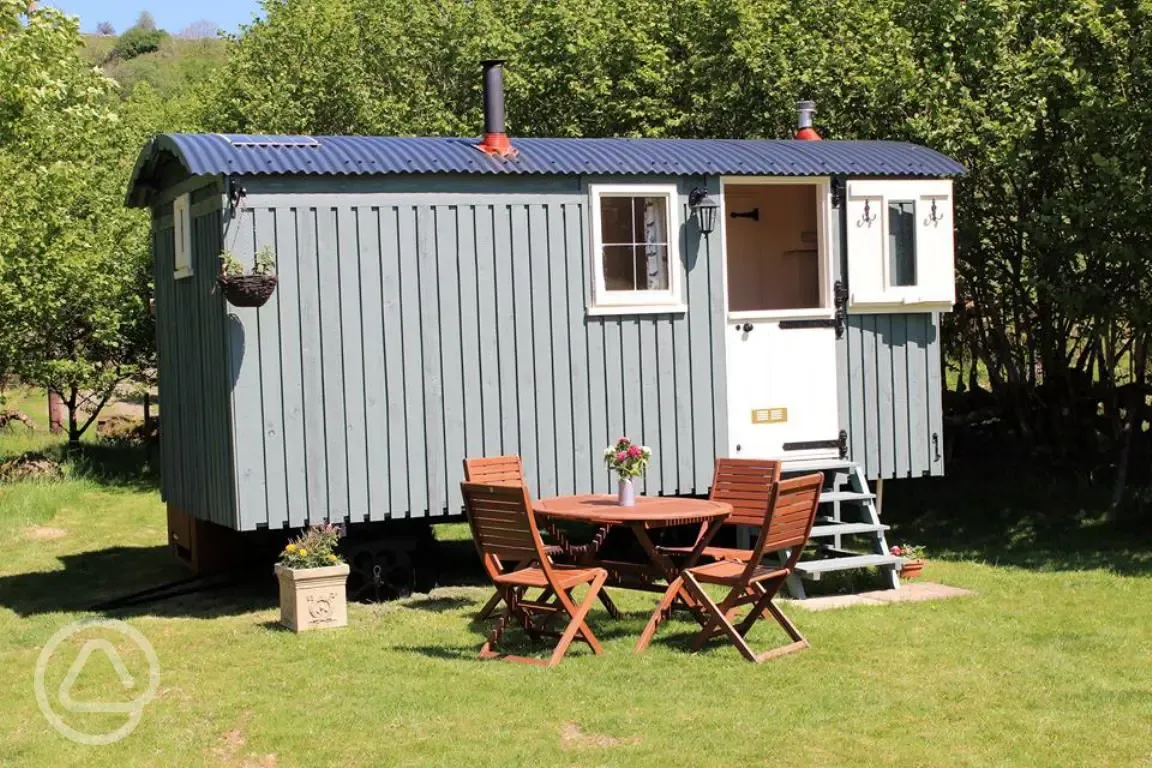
{"x":248,"y":290}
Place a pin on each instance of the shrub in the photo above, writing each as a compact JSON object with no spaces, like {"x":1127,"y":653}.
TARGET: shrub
{"x":136,"y":42}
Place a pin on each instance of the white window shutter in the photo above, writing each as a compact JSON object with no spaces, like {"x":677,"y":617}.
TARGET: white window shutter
{"x":871,"y":287}
{"x":865,"y":212}
{"x":935,"y":243}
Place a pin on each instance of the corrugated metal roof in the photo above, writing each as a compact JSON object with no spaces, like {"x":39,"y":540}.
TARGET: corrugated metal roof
{"x":212,"y":154}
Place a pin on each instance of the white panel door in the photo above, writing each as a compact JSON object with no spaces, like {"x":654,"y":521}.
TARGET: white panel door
{"x":780,"y":335}
{"x":782,"y":389}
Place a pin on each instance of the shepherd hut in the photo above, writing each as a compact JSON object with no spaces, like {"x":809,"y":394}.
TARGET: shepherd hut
{"x":448,"y":297}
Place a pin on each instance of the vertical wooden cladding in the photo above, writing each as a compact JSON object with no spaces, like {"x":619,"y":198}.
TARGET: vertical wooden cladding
{"x":411,"y":331}
{"x":890,"y":372}
{"x":196,"y":464}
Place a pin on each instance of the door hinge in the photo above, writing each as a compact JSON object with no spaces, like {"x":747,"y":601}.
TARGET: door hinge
{"x":813,"y":323}
{"x":838,"y":187}
{"x":839,"y":443}
{"x":840,"y":301}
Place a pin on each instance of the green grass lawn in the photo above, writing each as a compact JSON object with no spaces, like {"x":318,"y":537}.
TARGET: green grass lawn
{"x":1051,"y":664}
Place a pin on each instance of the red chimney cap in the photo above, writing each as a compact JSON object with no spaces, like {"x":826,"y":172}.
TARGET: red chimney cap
{"x":804,"y":112}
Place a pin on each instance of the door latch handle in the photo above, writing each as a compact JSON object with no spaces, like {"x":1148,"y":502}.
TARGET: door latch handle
{"x":748,"y":327}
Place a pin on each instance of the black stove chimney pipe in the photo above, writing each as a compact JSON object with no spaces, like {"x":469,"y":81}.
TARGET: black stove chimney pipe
{"x":495,"y":140}
{"x":494,"y":96}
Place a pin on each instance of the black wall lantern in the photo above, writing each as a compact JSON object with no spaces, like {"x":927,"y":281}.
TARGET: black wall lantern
{"x":704,"y":207}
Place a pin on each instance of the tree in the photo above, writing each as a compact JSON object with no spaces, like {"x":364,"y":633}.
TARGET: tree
{"x":136,"y":42}
{"x":145,"y":21}
{"x":105,"y":29}
{"x":73,"y":262}
{"x":200,"y":30}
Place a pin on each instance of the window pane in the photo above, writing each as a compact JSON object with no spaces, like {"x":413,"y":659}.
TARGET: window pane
{"x":652,"y":266}
{"x":902,"y":242}
{"x":651,"y":220}
{"x":616,"y":220}
{"x":635,"y":243}
{"x":619,"y":268}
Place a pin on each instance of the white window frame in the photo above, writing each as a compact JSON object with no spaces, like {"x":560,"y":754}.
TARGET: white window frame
{"x":931,"y":268}
{"x":182,"y":235}
{"x":605,"y":302}
{"x":902,"y":294}
{"x":824,"y":225}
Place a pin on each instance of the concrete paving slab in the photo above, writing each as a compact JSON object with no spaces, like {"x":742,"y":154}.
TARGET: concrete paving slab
{"x":830,"y":602}
{"x":909,"y":592}
{"x":917,"y":591}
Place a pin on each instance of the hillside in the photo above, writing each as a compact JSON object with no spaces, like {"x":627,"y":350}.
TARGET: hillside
{"x":177,"y":63}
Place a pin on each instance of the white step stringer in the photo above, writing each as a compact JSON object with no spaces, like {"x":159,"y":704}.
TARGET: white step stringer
{"x":847,"y":511}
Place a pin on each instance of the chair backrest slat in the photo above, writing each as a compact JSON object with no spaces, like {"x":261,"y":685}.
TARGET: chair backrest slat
{"x":503,"y":525}
{"x":494,"y":469}
{"x":790,"y":521}
{"x":746,"y":485}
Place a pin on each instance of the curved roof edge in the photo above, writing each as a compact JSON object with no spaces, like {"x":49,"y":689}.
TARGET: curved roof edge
{"x":234,"y":154}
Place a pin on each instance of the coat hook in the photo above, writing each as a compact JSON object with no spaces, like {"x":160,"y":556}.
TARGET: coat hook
{"x":868,"y":217}
{"x":934,"y":218}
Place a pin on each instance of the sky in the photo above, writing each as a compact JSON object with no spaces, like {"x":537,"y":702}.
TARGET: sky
{"x":172,"y":15}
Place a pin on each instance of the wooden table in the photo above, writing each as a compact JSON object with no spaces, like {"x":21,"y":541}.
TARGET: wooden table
{"x":649,"y":512}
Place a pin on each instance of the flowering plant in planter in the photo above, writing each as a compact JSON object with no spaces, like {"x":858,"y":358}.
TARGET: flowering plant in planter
{"x":628,"y":460}
{"x":313,"y":581}
{"x":913,"y":555}
{"x":315,"y":548}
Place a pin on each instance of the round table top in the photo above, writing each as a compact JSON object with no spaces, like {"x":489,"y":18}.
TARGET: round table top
{"x":602,"y":509}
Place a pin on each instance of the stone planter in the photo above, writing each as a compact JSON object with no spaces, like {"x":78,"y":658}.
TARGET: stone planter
{"x":911,"y":569}
{"x":313,"y":598}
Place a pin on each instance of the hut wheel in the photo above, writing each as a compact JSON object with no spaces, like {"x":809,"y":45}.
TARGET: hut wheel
{"x":380,"y":571}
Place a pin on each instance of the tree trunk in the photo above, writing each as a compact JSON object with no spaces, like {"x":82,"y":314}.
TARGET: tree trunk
{"x":1134,"y":422}
{"x":55,"y":412}
{"x":74,"y":431}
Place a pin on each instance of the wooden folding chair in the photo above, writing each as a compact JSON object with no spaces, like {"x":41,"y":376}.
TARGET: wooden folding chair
{"x":504,"y":529}
{"x":787,"y":524}
{"x":746,"y":485}
{"x":501,"y":470}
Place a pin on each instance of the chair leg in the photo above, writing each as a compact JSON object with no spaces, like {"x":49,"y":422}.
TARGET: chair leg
{"x":577,"y":623}
{"x":490,"y":606}
{"x":765,"y":607}
{"x":609,"y":604}
{"x":719,"y":619}
{"x":489,"y":649}
{"x":659,"y":615}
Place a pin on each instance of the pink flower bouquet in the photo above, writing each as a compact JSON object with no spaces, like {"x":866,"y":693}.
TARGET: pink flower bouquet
{"x":626,"y":458}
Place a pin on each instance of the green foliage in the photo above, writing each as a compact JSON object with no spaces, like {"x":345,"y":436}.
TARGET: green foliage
{"x":315,"y":548}
{"x":74,"y":264}
{"x":136,"y":42}
{"x":265,"y":263}
{"x":175,"y":70}
{"x":230,"y":266}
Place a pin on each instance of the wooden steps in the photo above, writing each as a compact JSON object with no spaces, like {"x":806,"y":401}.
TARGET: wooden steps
{"x":817,"y":567}
{"x":845,"y":529}
{"x":847,"y":510}
{"x":834,"y":496}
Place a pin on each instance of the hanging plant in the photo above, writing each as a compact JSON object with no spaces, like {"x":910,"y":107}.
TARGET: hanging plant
{"x":252,"y":289}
